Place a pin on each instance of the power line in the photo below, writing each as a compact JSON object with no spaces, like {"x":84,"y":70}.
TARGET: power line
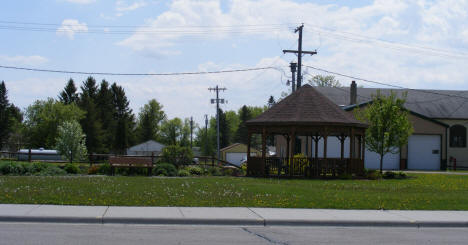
{"x":354,"y":37}
{"x":138,"y":26}
{"x":137,"y":74}
{"x":385,"y":84}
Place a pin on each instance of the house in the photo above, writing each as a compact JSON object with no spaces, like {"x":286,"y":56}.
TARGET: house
{"x":237,"y":153}
{"x":439,"y":119}
{"x":146,"y":149}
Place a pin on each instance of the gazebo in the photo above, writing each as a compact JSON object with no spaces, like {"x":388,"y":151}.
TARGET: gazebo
{"x":307,"y":112}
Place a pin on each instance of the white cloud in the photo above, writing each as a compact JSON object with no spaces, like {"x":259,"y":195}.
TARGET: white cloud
{"x":70,"y":27}
{"x":81,"y":1}
{"x":123,"y":6}
{"x":22,"y":60}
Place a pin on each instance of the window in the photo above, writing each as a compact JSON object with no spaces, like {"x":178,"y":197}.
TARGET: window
{"x":457,"y":136}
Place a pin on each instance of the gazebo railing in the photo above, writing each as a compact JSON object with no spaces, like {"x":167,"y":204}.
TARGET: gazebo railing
{"x":303,"y":167}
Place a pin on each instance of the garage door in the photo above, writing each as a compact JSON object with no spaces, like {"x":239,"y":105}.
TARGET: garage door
{"x":390,"y":161}
{"x":235,"y":158}
{"x":424,"y":152}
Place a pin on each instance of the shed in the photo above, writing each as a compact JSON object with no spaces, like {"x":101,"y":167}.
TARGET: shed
{"x":237,"y":153}
{"x":146,"y":149}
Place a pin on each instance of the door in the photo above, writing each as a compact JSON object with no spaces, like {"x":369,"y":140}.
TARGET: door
{"x":424,"y":152}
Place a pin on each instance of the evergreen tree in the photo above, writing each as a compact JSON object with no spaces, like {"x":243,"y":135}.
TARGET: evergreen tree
{"x":149,"y":121}
{"x":68,"y":94}
{"x":242,"y":133}
{"x":271,"y":101}
{"x":4,"y":115}
{"x":224,"y":131}
{"x":90,"y":124}
{"x":124,"y":118}
{"x":106,"y":110}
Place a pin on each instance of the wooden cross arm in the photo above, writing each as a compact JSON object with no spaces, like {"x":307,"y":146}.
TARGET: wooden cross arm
{"x":295,"y":51}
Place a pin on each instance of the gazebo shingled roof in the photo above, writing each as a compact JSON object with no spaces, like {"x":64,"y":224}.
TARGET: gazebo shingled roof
{"x":306,"y":106}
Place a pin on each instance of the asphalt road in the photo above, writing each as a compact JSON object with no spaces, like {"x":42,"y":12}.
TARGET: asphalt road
{"x":51,"y":234}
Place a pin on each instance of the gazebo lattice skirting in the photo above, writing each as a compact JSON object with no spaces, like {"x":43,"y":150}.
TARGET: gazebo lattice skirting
{"x":309,"y":166}
{"x":307,"y":112}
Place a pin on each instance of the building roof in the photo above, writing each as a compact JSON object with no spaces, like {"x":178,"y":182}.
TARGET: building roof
{"x":306,"y":106}
{"x":436,"y":104}
{"x":237,"y":144}
{"x":149,"y":145}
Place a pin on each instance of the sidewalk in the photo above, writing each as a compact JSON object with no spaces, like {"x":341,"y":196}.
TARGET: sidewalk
{"x":229,"y":216}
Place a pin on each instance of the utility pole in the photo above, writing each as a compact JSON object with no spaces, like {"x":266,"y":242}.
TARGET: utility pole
{"x":191,"y":132}
{"x":217,"y":101}
{"x":299,"y":53}
{"x":206,"y":134}
{"x":293,"y":72}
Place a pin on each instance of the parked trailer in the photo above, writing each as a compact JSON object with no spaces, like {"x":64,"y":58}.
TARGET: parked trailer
{"x":39,"y":154}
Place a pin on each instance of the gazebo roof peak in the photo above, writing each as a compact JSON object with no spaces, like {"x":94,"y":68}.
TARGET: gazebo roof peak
{"x":306,"y":106}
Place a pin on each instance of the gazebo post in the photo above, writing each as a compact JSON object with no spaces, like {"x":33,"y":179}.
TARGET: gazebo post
{"x":264,"y":150}
{"x":359,"y":146}
{"x":351,"y":149}
{"x":342,"y":139}
{"x":291,"y":156}
{"x":316,"y":161}
{"x":249,"y":137}
{"x":363,"y":150}
{"x":325,"y":140}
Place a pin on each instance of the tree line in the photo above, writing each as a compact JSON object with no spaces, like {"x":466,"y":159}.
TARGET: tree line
{"x":109,"y":124}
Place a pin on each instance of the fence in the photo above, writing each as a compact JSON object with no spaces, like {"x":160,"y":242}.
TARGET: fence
{"x":203,"y":161}
{"x":303,"y":167}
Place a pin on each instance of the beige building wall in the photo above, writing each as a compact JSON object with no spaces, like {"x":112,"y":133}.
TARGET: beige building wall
{"x":460,"y":153}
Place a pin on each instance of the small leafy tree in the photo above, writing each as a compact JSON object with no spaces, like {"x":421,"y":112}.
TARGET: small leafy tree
{"x":71,"y":141}
{"x":389,"y":126}
{"x":177,"y":155}
{"x":324,"y":81}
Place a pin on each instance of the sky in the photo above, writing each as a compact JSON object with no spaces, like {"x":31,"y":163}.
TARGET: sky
{"x":419,"y":44}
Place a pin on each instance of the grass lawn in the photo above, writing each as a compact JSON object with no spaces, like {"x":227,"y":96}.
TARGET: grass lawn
{"x":422,"y":191}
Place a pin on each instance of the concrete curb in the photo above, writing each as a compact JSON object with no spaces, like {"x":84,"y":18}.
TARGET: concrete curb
{"x":235,"y":216}
{"x":229,"y":222}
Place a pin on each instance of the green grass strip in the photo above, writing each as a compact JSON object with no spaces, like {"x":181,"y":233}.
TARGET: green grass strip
{"x":421,"y":192}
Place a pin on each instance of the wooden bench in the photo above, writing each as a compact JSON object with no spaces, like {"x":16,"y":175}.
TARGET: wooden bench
{"x":131,"y":162}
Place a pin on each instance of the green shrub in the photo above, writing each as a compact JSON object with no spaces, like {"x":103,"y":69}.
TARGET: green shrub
{"x":165,"y":169}
{"x":105,"y":169}
{"x":194,"y":170}
{"x":39,"y":166}
{"x":345,"y":176}
{"x":71,"y":168}
{"x":93,"y":170}
{"x":183,"y":173}
{"x":401,"y":175}
{"x":52,"y":171}
{"x":11,"y":168}
{"x":215,"y":171}
{"x":389,"y":175}
{"x":373,"y":175}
